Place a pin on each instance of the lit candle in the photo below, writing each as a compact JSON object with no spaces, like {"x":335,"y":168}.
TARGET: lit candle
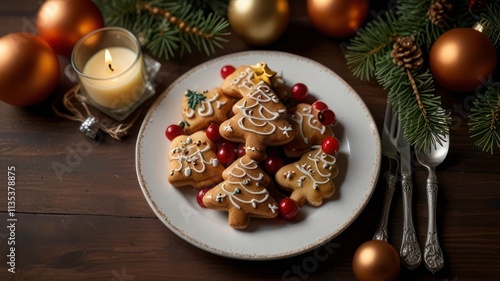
{"x":112,"y":72}
{"x":114,"y":77}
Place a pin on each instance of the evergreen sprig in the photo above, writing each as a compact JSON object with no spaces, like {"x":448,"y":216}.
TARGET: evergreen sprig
{"x":193,"y":24}
{"x":424,"y":121}
{"x":370,"y":44}
{"x":411,"y":92}
{"x":484,"y":119}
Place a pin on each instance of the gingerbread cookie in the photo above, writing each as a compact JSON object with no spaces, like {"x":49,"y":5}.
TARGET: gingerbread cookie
{"x":308,"y":130}
{"x":258,"y":121}
{"x":311,"y":178}
{"x":245,"y":77}
{"x":199,"y":109}
{"x":193,"y":162}
{"x":243,"y":194}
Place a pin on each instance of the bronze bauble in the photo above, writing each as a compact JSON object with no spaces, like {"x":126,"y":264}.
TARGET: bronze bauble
{"x":461,"y":59}
{"x":258,"y":22}
{"x":376,"y":260}
{"x":63,"y":22}
{"x":338,"y":18}
{"x":29,"y":69}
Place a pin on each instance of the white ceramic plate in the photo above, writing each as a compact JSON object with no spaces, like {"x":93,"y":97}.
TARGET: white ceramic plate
{"x":264,"y":239}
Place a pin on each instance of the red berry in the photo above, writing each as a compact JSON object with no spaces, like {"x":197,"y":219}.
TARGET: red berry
{"x":273,"y":164}
{"x":299,"y":91}
{"x":174,"y":131}
{"x":319,"y":105}
{"x":199,"y":196}
{"x":226,"y":70}
{"x":241,"y":150}
{"x":226,"y":154}
{"x":330,"y":145}
{"x":288,"y":209}
{"x":327,"y":117}
{"x":213,"y":133}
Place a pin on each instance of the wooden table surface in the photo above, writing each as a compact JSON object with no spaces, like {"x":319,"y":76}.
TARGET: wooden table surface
{"x":92,"y":221}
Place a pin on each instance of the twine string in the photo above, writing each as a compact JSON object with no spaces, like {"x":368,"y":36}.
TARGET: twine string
{"x":72,"y":98}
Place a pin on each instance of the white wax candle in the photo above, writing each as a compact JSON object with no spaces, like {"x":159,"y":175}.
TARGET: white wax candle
{"x":117,"y":83}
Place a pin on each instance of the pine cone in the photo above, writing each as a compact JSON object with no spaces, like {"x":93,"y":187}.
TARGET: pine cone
{"x":406,"y":53}
{"x":439,"y":12}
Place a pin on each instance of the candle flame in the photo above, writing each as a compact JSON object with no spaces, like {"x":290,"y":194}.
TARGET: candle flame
{"x":107,"y":57}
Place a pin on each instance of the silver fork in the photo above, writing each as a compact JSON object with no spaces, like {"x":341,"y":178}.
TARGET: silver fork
{"x":389,"y":150}
{"x":410,"y":250}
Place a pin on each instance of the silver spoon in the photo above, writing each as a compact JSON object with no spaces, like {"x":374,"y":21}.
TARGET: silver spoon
{"x":433,"y":256}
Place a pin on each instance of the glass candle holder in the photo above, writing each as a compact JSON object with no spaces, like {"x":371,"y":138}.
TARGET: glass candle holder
{"x":110,"y":67}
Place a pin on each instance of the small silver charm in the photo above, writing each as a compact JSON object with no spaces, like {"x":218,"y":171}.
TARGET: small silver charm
{"x":90,"y":127}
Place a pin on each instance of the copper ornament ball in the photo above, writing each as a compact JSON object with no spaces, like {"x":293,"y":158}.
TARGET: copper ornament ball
{"x":63,"y":22}
{"x":258,"y":22}
{"x":461,"y":59}
{"x":338,"y":18}
{"x":29,"y":69}
{"x":376,"y":260}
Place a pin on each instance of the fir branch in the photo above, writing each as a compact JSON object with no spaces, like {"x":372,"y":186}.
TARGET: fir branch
{"x":412,"y":96}
{"x":484,"y":119}
{"x":170,"y":27}
{"x":491,"y":17}
{"x":369,"y":44}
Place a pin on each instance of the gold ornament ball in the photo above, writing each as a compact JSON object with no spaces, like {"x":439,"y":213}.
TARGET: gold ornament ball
{"x":29,"y":69}
{"x":461,"y":58}
{"x":258,"y":22}
{"x":338,"y":18}
{"x":63,"y":22}
{"x":376,"y":260}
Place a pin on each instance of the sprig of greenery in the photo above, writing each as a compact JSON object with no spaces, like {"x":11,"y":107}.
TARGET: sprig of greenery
{"x":424,"y":121}
{"x":484,"y":119}
{"x":370,"y":44}
{"x":164,"y":37}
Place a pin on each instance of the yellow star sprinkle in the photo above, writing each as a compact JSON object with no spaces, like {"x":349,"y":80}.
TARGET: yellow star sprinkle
{"x":262,"y":73}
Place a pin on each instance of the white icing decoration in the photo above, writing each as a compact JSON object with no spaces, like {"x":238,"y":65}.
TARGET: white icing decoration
{"x":298,"y":117}
{"x":228,"y":127}
{"x":273,"y":207}
{"x":220,"y":197}
{"x":308,"y":170}
{"x":260,"y":94}
{"x":240,"y":172}
{"x":285,"y":130}
{"x":205,"y":107}
{"x":196,"y":157}
{"x":244,"y":80}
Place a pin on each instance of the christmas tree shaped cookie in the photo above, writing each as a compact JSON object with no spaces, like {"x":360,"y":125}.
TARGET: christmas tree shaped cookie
{"x":311,"y":178}
{"x":308,"y":130}
{"x":243,"y":194}
{"x":245,"y":77}
{"x":193,"y":162}
{"x":199,"y":109}
{"x":258,"y":121}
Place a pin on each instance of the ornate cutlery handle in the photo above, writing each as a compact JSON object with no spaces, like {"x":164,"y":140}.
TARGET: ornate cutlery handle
{"x":433,"y":256}
{"x":410,"y":250}
{"x":381,"y":232}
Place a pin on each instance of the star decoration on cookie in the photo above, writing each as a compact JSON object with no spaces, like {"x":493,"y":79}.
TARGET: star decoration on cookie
{"x":262,"y":73}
